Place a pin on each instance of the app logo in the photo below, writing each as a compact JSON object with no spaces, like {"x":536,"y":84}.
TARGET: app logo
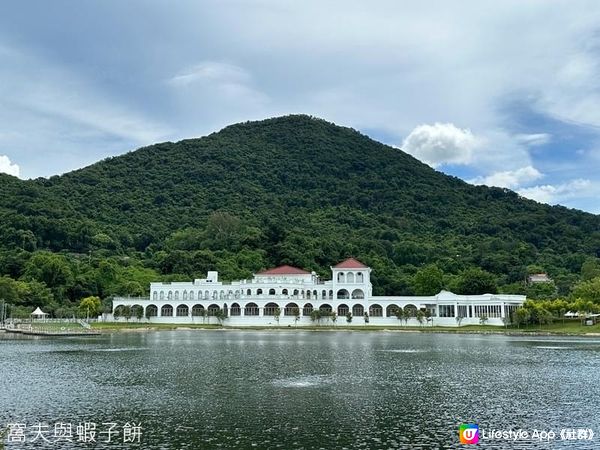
{"x":469,"y":433}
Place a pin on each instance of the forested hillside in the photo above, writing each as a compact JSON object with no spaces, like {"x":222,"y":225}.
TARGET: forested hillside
{"x":292,"y":190}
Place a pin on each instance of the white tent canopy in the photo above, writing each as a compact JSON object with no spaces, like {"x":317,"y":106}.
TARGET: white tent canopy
{"x":38,"y":313}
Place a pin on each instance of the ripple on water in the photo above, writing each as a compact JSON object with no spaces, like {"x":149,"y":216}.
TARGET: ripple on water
{"x":123,"y":349}
{"x":402,"y":350}
{"x":555,"y":347}
{"x":304,"y":381}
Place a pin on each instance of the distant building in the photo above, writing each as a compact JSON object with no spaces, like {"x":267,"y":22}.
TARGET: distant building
{"x":290,"y":289}
{"x":538,"y":278}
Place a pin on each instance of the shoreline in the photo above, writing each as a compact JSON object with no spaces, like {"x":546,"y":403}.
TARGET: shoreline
{"x":145,"y":328}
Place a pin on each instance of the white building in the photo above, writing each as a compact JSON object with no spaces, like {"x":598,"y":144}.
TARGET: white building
{"x":296,"y":293}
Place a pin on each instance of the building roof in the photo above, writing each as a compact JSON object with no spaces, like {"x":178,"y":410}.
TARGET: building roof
{"x":350,"y":263}
{"x":284,"y":270}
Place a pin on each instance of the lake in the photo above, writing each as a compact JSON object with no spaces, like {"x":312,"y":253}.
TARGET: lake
{"x":277,"y":389}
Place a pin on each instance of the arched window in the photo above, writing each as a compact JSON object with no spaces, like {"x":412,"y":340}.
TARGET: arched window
{"x":170,"y":296}
{"x":341,"y":277}
{"x":342,"y":294}
{"x":154,"y":295}
{"x":375,"y":311}
{"x":358,"y":294}
{"x":295,"y":293}
{"x":191,"y":295}
{"x":391,"y":310}
{"x":331,"y":295}
{"x":176,"y":295}
{"x":271,"y":291}
{"x":342,"y":310}
{"x":182,"y":311}
{"x":323,"y":294}
{"x":162,"y":295}
{"x":251,"y":309}
{"x":308,"y":308}
{"x":291,"y":309}
{"x":325,"y":308}
{"x":212,"y":309}
{"x":249,"y":292}
{"x":259,"y":292}
{"x":206,"y":295}
{"x":284,"y":292}
{"x":166,"y":311}
{"x":359,"y":277}
{"x":151,"y":311}
{"x":198,"y":310}
{"x":350,"y":277}
{"x":185,"y":295}
{"x":269,"y":309}
{"x":235,"y":309}
{"x":358,"y":310}
{"x":308,"y":295}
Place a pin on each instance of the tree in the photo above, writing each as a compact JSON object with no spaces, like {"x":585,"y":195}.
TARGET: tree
{"x":221,"y":315}
{"x":427,"y":315}
{"x":315,"y":315}
{"x":138,"y":311}
{"x":127,"y":312}
{"x":428,"y":281}
{"x":476,"y":281}
{"x":521,"y":316}
{"x":90,"y":306}
{"x":296,"y":314}
{"x":348,"y":317}
{"x":420,"y":317}
{"x":590,"y":269}
{"x":588,"y":290}
{"x":399,"y":313}
{"x":333,"y":317}
{"x":50,"y":268}
{"x":8,"y":290}
{"x":277,"y":315}
{"x":459,"y":320}
{"x":366,"y":317}
{"x":483,"y":319}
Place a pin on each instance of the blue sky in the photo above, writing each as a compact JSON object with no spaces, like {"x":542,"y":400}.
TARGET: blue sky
{"x":499,"y":93}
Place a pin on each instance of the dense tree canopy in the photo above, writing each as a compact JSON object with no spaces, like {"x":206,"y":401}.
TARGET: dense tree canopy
{"x":292,"y":190}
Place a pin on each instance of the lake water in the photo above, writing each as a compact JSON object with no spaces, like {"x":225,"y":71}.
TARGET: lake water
{"x":277,"y":389}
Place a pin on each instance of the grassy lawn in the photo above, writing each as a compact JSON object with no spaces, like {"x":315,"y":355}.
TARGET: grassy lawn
{"x":152,"y":326}
{"x":56,"y":326}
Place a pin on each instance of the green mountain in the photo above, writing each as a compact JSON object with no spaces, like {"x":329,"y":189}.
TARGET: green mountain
{"x":290,"y":190}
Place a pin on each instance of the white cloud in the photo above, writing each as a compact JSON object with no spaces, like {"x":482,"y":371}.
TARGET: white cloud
{"x":441,"y":143}
{"x":510,"y":178}
{"x":533,"y":140}
{"x":6,"y":166}
{"x":559,"y":193}
{"x":211,"y":71}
